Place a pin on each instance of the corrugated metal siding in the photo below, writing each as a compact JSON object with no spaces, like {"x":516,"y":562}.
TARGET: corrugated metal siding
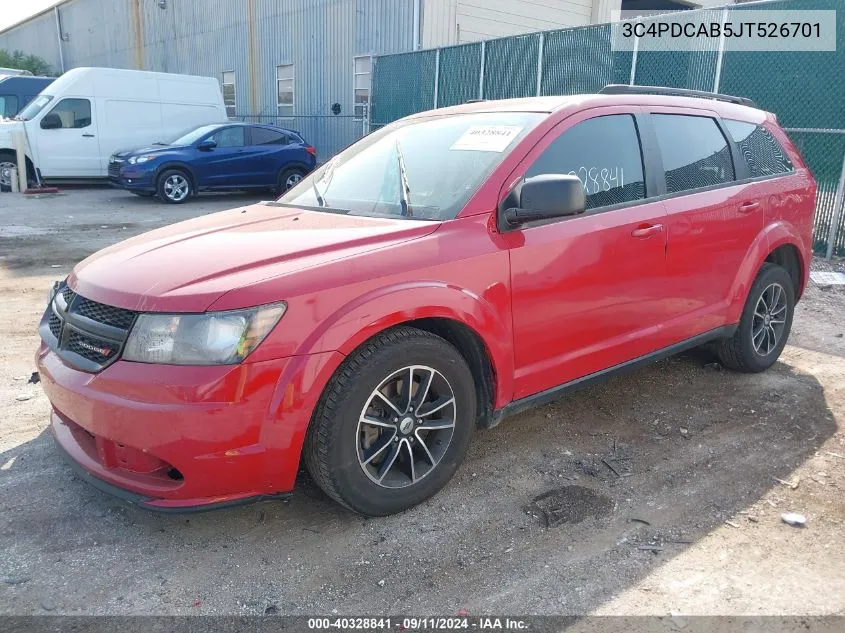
{"x":439,"y":23}
{"x":35,"y":36}
{"x":208,"y":37}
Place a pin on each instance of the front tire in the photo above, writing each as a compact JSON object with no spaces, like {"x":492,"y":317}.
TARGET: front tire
{"x":393,"y":424}
{"x":174,"y":186}
{"x":765,"y":323}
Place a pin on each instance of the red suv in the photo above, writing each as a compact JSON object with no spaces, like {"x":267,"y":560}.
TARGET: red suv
{"x":449,"y":269}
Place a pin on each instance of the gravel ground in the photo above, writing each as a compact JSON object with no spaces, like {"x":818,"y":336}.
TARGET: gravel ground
{"x":657,"y":492}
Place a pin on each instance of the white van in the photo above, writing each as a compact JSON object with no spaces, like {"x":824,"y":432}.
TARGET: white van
{"x":88,"y":114}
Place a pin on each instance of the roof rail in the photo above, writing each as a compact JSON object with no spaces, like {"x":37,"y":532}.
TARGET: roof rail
{"x":623,"y":89}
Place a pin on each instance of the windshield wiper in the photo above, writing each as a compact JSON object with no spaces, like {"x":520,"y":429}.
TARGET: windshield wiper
{"x":327,"y":177}
{"x":404,"y":188}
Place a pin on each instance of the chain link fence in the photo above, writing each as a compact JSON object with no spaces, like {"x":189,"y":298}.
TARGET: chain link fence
{"x":805,"y":89}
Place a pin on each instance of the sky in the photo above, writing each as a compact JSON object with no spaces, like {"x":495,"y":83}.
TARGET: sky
{"x":13,"y":11}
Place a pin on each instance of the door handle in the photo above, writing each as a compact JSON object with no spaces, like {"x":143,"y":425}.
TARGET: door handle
{"x":88,"y":135}
{"x":748,"y":207}
{"x":647,"y":230}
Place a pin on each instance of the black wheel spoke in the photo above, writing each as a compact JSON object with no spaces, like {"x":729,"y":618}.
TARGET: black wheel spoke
{"x":406,"y":426}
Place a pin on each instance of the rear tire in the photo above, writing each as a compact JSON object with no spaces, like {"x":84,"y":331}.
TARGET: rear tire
{"x":174,"y":186}
{"x":356,"y":431}
{"x":765,"y":323}
{"x":289,"y":178}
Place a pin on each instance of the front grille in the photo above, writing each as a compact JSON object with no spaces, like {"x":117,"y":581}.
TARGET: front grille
{"x":114,"y":170}
{"x":55,"y":325}
{"x":87,"y":334}
{"x":97,"y":350}
{"x":116,"y":317}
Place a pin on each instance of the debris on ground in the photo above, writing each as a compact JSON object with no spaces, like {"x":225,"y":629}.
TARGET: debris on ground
{"x":569,"y":504}
{"x":23,"y":397}
{"x":792,"y":483}
{"x":792,"y":518}
{"x":34,"y":378}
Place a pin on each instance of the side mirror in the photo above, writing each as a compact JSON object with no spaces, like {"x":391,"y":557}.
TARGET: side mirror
{"x":542,"y":198}
{"x":51,"y":121}
{"x":207,"y":145}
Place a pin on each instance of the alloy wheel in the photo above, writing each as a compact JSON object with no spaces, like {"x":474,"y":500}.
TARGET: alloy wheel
{"x":6,"y":173}
{"x":769,"y":320}
{"x":292,"y":180}
{"x":176,"y":187}
{"x":406,"y":426}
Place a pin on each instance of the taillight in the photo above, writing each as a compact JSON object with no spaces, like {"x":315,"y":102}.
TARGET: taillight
{"x":311,"y":151}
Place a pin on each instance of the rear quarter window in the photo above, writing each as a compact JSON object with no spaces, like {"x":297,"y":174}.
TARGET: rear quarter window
{"x":695,"y":153}
{"x":760,"y":150}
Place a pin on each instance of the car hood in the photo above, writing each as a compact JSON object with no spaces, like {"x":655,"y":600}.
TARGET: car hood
{"x":7,"y":126}
{"x":153,"y":149}
{"x":185,"y":267}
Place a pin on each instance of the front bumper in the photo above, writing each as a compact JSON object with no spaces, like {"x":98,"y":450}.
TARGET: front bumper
{"x":184,"y":438}
{"x":132,"y":179}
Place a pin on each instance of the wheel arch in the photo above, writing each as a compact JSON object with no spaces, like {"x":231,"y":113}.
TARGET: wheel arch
{"x":30,"y":165}
{"x":180,"y":166}
{"x":780,"y":243}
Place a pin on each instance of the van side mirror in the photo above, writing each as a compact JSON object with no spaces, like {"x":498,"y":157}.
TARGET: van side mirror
{"x":51,"y":121}
{"x":542,"y":197}
{"x":207,"y":145}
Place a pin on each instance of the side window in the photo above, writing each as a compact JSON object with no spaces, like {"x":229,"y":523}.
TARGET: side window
{"x":8,"y":105}
{"x":73,"y":113}
{"x":695,"y":152}
{"x":264,"y":136}
{"x":763,"y":154}
{"x":228,"y":86}
{"x":605,"y":155}
{"x":229,"y":137}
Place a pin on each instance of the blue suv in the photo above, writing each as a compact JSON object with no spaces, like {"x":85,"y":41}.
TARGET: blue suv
{"x":217,"y":157}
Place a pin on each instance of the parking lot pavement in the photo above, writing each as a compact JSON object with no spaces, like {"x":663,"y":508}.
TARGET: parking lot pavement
{"x":661,"y":491}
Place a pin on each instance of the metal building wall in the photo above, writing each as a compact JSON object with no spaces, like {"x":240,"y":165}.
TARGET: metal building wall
{"x":36,"y":36}
{"x":249,"y":37}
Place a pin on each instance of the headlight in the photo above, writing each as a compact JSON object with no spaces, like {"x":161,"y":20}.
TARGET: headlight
{"x":213,"y":338}
{"x":133,"y":160}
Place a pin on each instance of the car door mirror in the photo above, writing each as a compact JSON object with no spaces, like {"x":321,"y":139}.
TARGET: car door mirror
{"x":542,"y":198}
{"x":207,"y":145}
{"x":51,"y":121}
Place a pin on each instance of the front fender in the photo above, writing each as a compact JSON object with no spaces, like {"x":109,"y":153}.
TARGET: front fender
{"x":382,"y":308}
{"x":772,"y":237}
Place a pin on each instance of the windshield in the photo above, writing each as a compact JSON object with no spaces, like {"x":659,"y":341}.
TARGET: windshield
{"x":35,"y":106}
{"x":191,"y":136}
{"x":421,"y":168}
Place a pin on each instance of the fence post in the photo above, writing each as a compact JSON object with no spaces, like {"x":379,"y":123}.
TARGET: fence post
{"x":837,"y":212}
{"x":481,"y":74}
{"x":634,"y":59}
{"x":721,"y":54}
{"x":540,"y":47}
{"x":436,"y":76}
{"x":19,"y":143}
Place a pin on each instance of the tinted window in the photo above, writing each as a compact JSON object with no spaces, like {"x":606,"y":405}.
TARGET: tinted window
{"x":74,"y":113}
{"x":605,"y":155}
{"x":694,"y":150}
{"x":763,"y":154}
{"x":229,"y":137}
{"x":8,"y":105}
{"x":263,"y":136}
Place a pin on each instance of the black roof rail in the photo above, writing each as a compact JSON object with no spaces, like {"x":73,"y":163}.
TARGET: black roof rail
{"x":623,"y":89}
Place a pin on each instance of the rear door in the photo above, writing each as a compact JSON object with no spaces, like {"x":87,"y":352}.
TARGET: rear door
{"x":227,"y":164}
{"x":269,"y":151}
{"x":713,"y":214}
{"x":72,"y":149}
{"x":587,"y":290}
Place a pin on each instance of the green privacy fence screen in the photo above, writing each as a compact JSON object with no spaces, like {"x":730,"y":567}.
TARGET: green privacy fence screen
{"x":805,"y":89}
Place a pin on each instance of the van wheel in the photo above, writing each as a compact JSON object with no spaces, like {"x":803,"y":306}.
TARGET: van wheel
{"x":174,"y":186}
{"x":393,"y":424}
{"x":765,"y":323}
{"x":289,"y":178}
{"x":8,"y":162}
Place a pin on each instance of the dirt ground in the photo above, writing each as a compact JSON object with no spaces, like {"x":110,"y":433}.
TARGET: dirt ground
{"x":658,"y":492}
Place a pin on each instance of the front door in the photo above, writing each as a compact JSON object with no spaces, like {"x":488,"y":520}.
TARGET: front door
{"x":67,"y":140}
{"x":226,"y":165}
{"x":588,"y":291}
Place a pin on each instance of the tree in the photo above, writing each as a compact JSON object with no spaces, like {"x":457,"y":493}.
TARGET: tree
{"x":21,"y":61}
